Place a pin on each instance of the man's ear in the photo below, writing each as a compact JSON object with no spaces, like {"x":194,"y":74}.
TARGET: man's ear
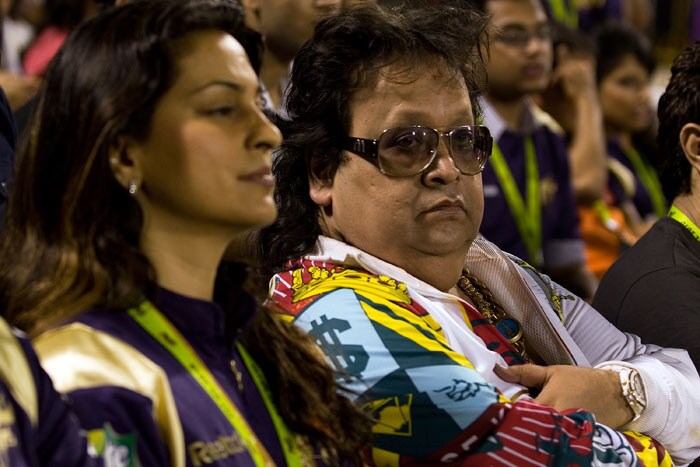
{"x":321,"y":190}
{"x":124,"y":160}
{"x":690,"y":142}
{"x":320,"y":185}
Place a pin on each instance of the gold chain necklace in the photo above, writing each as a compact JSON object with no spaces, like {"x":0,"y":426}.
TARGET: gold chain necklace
{"x":488,"y":306}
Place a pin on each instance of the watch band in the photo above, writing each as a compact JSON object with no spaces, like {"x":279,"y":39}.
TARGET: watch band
{"x":632,"y":388}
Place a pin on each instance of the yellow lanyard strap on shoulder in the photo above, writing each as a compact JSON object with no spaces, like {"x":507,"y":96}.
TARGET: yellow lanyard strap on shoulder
{"x":680,"y":217}
{"x":566,"y":12}
{"x":292,"y":451}
{"x":649,"y":180}
{"x":163,"y":331}
{"x":528,"y":217}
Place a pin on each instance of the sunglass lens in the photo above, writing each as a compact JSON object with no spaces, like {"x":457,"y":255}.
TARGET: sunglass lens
{"x":407,"y":150}
{"x":463,"y":151}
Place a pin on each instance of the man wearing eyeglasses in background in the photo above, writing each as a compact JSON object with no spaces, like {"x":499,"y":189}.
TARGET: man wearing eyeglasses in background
{"x":529,"y":209}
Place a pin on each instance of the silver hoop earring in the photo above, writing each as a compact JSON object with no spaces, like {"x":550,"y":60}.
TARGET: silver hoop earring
{"x":133,"y":188}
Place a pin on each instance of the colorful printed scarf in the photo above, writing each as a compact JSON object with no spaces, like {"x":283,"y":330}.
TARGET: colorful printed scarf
{"x":429,"y":404}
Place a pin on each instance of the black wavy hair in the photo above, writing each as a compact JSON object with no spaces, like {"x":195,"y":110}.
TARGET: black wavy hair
{"x":679,"y":104}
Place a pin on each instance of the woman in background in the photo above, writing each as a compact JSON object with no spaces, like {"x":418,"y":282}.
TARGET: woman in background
{"x":624,"y":67}
{"x":149,"y":153}
{"x":60,"y":18}
{"x":631,"y":199}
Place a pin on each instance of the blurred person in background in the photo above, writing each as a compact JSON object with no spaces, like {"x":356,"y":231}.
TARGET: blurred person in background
{"x":60,"y":17}
{"x":624,"y":64}
{"x":52,"y":42}
{"x":285,"y":26}
{"x":632,"y":199}
{"x":16,"y":34}
{"x":572,"y":99}
{"x":530,"y":209}
{"x":587,"y":15}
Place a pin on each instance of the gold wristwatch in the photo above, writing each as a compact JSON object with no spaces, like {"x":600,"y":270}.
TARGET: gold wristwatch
{"x":632,"y":388}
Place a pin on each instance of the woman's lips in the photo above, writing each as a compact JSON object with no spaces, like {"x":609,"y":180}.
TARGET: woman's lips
{"x":261,"y":177}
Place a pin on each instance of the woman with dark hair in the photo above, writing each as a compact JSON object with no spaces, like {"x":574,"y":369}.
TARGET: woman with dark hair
{"x":624,"y":64}
{"x":632,"y":198}
{"x":149,"y":153}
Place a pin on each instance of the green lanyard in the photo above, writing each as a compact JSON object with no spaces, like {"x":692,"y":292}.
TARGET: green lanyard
{"x":566,"y":13}
{"x":158,"y":326}
{"x":289,"y":443}
{"x":649,"y":180}
{"x":603,"y":212}
{"x":680,"y":217}
{"x":528,"y":218}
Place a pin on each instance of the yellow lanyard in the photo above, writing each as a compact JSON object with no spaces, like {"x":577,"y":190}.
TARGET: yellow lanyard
{"x":292,"y":451}
{"x":162,"y":330}
{"x":528,"y":218}
{"x":603,"y":212}
{"x":680,"y":217}
{"x":649,"y":180}
{"x":566,"y":12}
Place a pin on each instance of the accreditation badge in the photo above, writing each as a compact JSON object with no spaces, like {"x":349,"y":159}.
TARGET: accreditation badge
{"x":115,"y":449}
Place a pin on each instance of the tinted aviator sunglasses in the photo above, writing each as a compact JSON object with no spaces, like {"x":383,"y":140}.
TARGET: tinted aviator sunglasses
{"x":405,"y":151}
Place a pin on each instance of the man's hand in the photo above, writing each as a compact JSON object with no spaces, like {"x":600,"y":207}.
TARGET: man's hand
{"x":575,"y":74}
{"x":569,"y":387}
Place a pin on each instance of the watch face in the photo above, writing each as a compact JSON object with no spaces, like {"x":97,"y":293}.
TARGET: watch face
{"x":632,"y":388}
{"x":638,"y":388}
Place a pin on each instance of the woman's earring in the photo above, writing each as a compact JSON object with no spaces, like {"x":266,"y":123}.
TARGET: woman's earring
{"x":133,"y":188}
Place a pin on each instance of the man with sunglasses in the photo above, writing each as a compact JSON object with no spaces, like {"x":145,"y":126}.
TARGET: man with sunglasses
{"x":530,"y":208}
{"x":375,"y":253}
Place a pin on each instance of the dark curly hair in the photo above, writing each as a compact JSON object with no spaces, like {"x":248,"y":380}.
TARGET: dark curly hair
{"x":679,"y":104}
{"x":349,"y":52}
